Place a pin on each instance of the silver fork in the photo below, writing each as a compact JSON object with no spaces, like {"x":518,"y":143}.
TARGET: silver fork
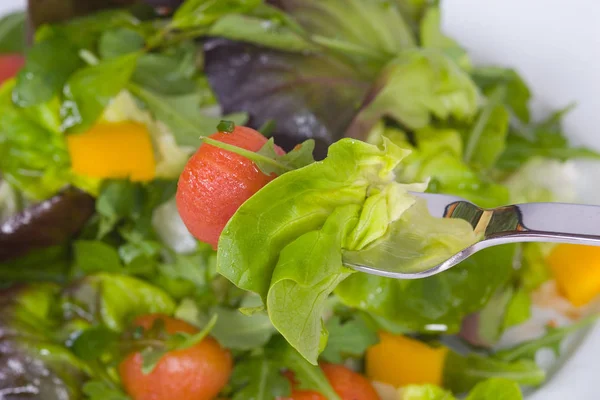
{"x":531,"y":222}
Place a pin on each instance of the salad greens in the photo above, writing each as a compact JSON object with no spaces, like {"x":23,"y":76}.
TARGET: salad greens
{"x":374,"y":90}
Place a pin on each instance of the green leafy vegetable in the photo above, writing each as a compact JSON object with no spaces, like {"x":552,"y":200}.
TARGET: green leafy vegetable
{"x":182,"y":114}
{"x":114,"y":300}
{"x":424,"y":392}
{"x":551,"y":340}
{"x":259,"y":378}
{"x":93,"y":256}
{"x":90,"y":89}
{"x":152,"y":354}
{"x":416,"y":86}
{"x":119,"y":42}
{"x":432,"y":37}
{"x":99,"y":390}
{"x":348,"y":201}
{"x":199,"y":13}
{"x":308,"y":376}
{"x":496,"y":388}
{"x":518,"y":309}
{"x":37,"y":83}
{"x":544,"y":139}
{"x":12,"y":33}
{"x":462,"y":373}
{"x":347,"y":339}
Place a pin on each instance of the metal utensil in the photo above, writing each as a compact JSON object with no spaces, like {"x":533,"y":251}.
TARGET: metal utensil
{"x":532,"y":222}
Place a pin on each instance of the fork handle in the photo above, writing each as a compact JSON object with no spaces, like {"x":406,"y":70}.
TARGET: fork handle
{"x":547,"y":222}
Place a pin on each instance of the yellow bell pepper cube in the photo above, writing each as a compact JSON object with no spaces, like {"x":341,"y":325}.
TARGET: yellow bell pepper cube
{"x":113,"y":150}
{"x":399,"y":361}
{"x":576,"y":269}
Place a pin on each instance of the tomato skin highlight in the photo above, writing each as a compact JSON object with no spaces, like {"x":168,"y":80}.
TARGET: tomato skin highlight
{"x":215,"y":183}
{"x":196,"y":373}
{"x":348,"y":384}
{"x":10,"y":64}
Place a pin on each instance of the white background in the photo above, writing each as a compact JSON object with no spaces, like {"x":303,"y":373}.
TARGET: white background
{"x":555,"y":44}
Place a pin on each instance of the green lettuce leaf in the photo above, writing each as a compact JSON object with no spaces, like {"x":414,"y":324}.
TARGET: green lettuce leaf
{"x":424,"y":392}
{"x":497,"y":389}
{"x":350,"y":338}
{"x":432,"y":37}
{"x":12,"y":33}
{"x":259,"y":378}
{"x":349,"y":201}
{"x":417,"y":86}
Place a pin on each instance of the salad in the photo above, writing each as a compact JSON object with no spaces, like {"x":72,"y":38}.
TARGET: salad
{"x":181,"y":184}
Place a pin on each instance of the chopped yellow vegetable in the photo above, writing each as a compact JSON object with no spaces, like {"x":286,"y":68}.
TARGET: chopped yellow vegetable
{"x":113,"y":150}
{"x":399,"y":361}
{"x":576,"y":269}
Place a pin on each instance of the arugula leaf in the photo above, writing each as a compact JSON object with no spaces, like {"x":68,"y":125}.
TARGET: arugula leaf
{"x":37,"y":83}
{"x":496,"y":388}
{"x":351,"y":338}
{"x":534,"y":268}
{"x":90,"y":89}
{"x":182,"y":114}
{"x":300,"y":156}
{"x":151,"y":355}
{"x":309,"y":377}
{"x":93,"y":256}
{"x":259,"y":378}
{"x":462,"y":373}
{"x":199,"y":13}
{"x":12,"y":33}
{"x":119,"y":42}
{"x":551,"y":340}
{"x":100,"y":390}
{"x":544,"y":139}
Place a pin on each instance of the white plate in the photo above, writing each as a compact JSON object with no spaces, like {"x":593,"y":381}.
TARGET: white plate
{"x":555,"y":45}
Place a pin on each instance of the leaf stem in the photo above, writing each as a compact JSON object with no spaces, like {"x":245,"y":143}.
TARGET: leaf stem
{"x":246,"y":153}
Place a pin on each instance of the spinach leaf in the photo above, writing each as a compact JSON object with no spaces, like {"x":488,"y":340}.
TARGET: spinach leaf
{"x":100,"y":390}
{"x":90,"y":89}
{"x":12,"y":33}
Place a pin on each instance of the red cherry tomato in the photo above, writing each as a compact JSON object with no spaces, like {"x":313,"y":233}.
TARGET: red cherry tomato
{"x":195,"y":373}
{"x":10,"y":64}
{"x":348,"y":384}
{"x":215,"y":183}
